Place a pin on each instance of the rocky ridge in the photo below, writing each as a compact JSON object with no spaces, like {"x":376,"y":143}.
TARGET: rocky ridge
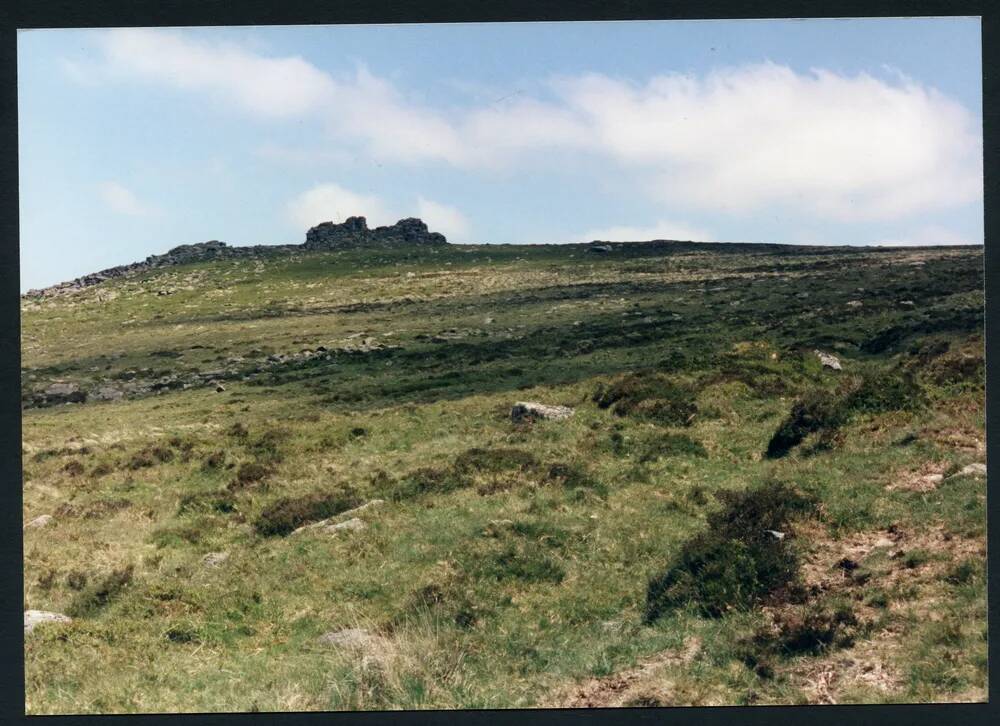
{"x":351,"y":233}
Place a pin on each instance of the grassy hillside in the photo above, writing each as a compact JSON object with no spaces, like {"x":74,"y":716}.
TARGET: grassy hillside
{"x":509,"y":564}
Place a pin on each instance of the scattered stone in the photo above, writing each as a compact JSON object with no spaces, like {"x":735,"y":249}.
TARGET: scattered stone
{"x":854,"y":303}
{"x":828,"y":360}
{"x":600,"y":249}
{"x":107,"y":393}
{"x":219,"y":388}
{"x":63,"y":393}
{"x":972,"y":470}
{"x":776,"y":534}
{"x":214,"y":559}
{"x":531,"y":411}
{"x":39,"y":522}
{"x":922,"y":483}
{"x":34,"y":618}
{"x":908,"y":303}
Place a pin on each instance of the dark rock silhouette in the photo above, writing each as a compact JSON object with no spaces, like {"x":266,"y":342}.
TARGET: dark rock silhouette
{"x":352,"y":233}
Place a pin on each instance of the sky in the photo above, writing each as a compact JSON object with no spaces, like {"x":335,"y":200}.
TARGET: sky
{"x":850,"y":131}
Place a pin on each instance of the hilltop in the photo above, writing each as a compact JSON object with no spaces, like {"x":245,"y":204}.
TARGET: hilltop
{"x":378,"y":470}
{"x":353,"y":232}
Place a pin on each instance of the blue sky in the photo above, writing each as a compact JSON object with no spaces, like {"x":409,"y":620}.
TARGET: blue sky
{"x":816,"y":131}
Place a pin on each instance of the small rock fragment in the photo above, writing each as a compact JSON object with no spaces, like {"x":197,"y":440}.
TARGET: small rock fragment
{"x":214,"y":559}
{"x":33,"y":618}
{"x":976,"y":469}
{"x":39,"y":522}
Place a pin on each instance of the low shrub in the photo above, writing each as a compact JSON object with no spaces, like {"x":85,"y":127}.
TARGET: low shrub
{"x":815,"y":411}
{"x":651,"y":396}
{"x":804,"y":630}
{"x":289,"y":513}
{"x":222,"y":502}
{"x":73,"y":467}
{"x":248,"y":474}
{"x":820,"y":410}
{"x":518,"y":560}
{"x":267,"y":448}
{"x":736,"y":561}
{"x":150,"y":456}
{"x":96,"y":596}
{"x":424,"y":480}
{"x":494,"y":461}
{"x":573,"y":476}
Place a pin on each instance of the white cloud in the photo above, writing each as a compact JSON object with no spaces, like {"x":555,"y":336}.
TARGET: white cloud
{"x":123,"y":201}
{"x":930,"y":235}
{"x":267,"y":86}
{"x":736,"y":140}
{"x":444,"y":219}
{"x":661,"y":230}
{"x":333,"y":203}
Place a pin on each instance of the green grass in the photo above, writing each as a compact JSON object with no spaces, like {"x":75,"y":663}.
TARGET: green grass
{"x":508,"y":562}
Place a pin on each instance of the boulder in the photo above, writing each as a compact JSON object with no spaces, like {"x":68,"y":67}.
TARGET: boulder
{"x":828,"y":360}
{"x":532,"y":411}
{"x":34,"y":618}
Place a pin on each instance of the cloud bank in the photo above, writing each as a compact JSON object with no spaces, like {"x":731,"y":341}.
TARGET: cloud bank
{"x":733,"y":141}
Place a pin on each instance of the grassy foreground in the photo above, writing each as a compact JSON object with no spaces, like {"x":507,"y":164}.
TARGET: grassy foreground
{"x":508,"y":563}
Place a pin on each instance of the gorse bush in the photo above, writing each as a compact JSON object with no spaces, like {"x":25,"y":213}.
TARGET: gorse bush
{"x":651,"y":396}
{"x":815,"y":411}
{"x":735,"y":562}
{"x":820,"y":410}
{"x":809,"y":629}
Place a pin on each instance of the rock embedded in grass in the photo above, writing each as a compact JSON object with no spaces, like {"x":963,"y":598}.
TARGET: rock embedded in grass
{"x":976,"y":469}
{"x":828,"y":360}
{"x":351,"y":525}
{"x":214,"y":559}
{"x":39,"y":522}
{"x":532,"y":411}
{"x":34,"y":618}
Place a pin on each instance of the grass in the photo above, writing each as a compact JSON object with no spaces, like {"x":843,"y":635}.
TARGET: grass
{"x":508,"y":563}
